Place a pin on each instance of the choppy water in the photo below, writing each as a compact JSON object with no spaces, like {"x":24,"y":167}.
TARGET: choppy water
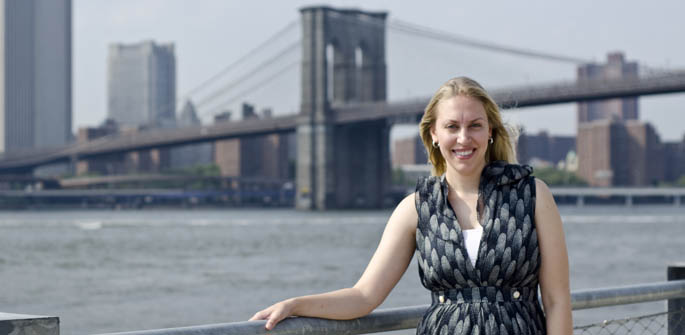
{"x":106,"y":271}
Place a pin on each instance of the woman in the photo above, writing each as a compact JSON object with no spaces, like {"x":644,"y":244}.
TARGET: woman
{"x":487,"y":234}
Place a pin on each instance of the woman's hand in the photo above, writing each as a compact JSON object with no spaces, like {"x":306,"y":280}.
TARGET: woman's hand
{"x":389,"y":262}
{"x":275,"y":313}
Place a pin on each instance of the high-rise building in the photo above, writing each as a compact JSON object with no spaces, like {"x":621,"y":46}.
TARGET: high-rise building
{"x":620,"y":109}
{"x":35,"y":74}
{"x":141,"y":84}
{"x":616,"y":153}
{"x":614,"y":148}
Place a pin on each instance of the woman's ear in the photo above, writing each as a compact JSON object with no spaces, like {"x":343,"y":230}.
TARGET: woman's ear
{"x":434,"y":136}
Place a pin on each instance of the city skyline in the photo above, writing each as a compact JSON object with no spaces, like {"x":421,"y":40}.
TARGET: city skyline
{"x":35,"y":74}
{"x":219,"y":32}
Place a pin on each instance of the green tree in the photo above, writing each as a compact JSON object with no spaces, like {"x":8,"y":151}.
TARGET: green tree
{"x":681,"y":181}
{"x":556,"y":177}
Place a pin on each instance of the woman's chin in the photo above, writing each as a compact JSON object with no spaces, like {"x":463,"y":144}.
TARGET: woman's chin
{"x":467,"y":167}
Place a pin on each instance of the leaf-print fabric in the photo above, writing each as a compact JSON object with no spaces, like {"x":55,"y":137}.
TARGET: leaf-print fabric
{"x":499,"y":295}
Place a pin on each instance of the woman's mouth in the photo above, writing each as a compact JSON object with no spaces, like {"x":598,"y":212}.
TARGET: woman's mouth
{"x":464,"y":154}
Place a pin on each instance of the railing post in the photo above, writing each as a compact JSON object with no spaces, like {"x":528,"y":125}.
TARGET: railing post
{"x":28,"y":324}
{"x":676,"y":307}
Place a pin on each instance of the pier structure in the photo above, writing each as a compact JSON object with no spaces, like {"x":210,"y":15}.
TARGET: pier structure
{"x":628,"y":196}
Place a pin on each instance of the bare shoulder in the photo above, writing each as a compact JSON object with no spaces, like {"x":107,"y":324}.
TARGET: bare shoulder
{"x":546,"y":210}
{"x":405,"y":213}
{"x":543,"y":195}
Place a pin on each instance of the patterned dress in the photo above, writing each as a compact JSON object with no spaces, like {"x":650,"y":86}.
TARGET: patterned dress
{"x":499,"y":295}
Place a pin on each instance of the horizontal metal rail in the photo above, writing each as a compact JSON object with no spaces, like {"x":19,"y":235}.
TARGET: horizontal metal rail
{"x":625,"y":295}
{"x":408,"y":317}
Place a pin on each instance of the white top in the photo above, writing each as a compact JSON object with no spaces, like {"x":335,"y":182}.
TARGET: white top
{"x":472,"y":242}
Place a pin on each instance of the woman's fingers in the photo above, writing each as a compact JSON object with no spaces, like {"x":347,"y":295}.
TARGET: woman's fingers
{"x":273,"y":319}
{"x":261,"y":315}
{"x":273,"y":314}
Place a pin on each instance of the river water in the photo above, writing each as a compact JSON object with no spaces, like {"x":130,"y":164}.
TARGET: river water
{"x":107,"y":271}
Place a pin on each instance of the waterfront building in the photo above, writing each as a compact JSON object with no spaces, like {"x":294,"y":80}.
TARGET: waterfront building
{"x":614,"y":148}
{"x":620,"y":153}
{"x":141,"y":84}
{"x":544,"y":148}
{"x":141,"y":161}
{"x":408,"y":151}
{"x":35,"y":74}
{"x":113,"y":164}
{"x":267,"y":156}
{"x":674,"y":160}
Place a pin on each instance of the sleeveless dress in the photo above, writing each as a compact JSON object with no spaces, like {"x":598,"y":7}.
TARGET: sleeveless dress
{"x":499,"y":295}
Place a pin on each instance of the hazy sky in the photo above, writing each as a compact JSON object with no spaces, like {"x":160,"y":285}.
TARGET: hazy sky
{"x":210,"y":34}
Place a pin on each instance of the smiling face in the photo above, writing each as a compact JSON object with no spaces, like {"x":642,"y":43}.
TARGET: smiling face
{"x":462,"y":131}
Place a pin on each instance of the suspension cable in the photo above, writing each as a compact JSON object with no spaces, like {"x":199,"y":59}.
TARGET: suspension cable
{"x":249,"y":90}
{"x":246,"y":56}
{"x":452,"y":38}
{"x":257,"y":69}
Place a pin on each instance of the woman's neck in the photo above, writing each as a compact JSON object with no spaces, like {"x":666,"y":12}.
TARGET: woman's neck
{"x":464,"y":184}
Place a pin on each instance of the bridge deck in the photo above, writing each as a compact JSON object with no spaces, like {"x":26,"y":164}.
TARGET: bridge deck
{"x":399,"y":111}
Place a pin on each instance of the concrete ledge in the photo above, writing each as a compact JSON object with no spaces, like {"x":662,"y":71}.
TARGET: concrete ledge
{"x":21,"y":324}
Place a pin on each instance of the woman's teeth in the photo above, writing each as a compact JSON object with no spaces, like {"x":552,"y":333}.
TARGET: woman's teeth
{"x":464,"y":153}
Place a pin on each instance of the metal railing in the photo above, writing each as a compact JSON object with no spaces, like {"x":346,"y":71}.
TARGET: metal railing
{"x":408,"y":317}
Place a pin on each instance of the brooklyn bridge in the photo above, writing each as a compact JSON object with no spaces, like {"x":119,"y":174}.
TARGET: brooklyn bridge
{"x":343,"y":125}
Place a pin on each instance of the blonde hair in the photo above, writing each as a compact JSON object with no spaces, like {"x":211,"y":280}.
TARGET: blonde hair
{"x":503,"y":136}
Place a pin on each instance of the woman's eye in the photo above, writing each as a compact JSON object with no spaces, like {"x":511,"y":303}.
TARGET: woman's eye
{"x":451,"y":126}
{"x":475,"y":125}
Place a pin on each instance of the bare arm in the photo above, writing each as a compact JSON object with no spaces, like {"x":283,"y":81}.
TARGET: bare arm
{"x":554,"y":273}
{"x":388,"y":264}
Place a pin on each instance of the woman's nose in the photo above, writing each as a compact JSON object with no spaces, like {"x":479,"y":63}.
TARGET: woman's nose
{"x":463,"y":135}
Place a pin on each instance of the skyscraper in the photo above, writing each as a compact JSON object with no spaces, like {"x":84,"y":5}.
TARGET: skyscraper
{"x":614,"y":148}
{"x":35,"y":74}
{"x":141,"y":84}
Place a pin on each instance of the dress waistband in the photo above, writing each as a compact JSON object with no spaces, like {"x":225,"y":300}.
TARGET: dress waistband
{"x":484,"y":294}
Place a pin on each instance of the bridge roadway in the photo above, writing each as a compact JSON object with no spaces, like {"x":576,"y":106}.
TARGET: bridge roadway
{"x":526,"y":96}
{"x":398,"y":111}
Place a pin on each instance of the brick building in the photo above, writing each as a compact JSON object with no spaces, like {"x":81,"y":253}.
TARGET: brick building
{"x":409,"y":151}
{"x":267,"y":156}
{"x":616,"y":153}
{"x":614,"y":148}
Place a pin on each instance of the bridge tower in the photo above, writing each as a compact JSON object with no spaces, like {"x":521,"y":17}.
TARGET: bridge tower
{"x":343,"y":61}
